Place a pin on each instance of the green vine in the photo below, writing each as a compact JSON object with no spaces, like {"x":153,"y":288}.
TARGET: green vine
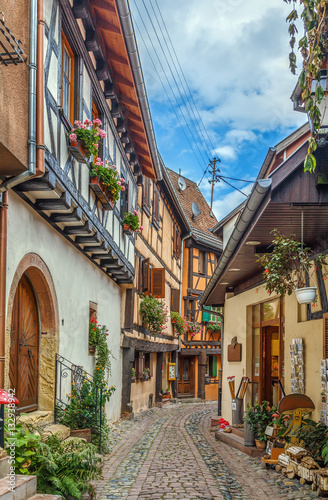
{"x":313,"y":48}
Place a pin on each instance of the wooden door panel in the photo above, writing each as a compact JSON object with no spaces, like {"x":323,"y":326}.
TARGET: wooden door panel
{"x":24,"y":350}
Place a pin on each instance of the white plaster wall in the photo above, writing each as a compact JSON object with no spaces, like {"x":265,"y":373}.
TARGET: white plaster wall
{"x":77,"y":281}
{"x":228,"y":228}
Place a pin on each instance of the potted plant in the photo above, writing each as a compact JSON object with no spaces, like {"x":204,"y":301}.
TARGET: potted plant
{"x":84,"y":139}
{"x":106,"y":182}
{"x":154,"y":312}
{"x":146,"y":374}
{"x":287,"y":267}
{"x":179,"y":324}
{"x":165,"y":394}
{"x":193,"y":328}
{"x":131,"y":222}
{"x":133,"y":375}
{"x":258,"y":417}
{"x":214,"y":328}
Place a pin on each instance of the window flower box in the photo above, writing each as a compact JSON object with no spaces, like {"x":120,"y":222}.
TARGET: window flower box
{"x":100,"y":190}
{"x":127,"y":229}
{"x":78,"y":151}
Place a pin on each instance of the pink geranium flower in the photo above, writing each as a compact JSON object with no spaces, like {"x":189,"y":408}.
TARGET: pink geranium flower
{"x":122,"y":188}
{"x":73,"y":137}
{"x":87,"y":122}
{"x":97,"y":122}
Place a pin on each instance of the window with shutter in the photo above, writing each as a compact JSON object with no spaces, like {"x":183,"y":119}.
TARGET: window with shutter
{"x":214,"y":367}
{"x":140,"y":364}
{"x":145,"y":272}
{"x":325,"y":335}
{"x":178,"y":244}
{"x":175,"y":295}
{"x":125,"y":200}
{"x":157,"y":282}
{"x":156,"y":206}
{"x":151,"y":363}
{"x":146,"y":195}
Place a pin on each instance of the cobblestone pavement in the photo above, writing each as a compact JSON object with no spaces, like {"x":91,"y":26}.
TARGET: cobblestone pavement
{"x":170,"y":452}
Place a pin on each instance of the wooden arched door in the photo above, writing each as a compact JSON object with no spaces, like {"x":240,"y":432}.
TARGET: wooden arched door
{"x":24,"y":347}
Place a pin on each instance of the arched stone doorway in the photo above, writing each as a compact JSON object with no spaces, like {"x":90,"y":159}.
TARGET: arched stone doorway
{"x":32,"y":366}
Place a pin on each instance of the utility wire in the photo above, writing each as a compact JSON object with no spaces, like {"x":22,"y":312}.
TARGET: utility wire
{"x":164,"y":87}
{"x":186,"y":82}
{"x":173,"y":76}
{"x":233,"y":186}
{"x":196,"y":120}
{"x":233,"y":179}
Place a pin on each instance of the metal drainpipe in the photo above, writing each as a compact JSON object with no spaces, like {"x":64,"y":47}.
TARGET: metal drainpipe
{"x":3,"y":268}
{"x":13,"y":181}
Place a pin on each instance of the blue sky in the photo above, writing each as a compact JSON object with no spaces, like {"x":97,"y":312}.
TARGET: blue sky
{"x":234,"y":54}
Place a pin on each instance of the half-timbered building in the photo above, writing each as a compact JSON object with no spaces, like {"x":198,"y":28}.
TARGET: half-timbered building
{"x":64,"y":255}
{"x":200,"y":354}
{"x":158,"y":262}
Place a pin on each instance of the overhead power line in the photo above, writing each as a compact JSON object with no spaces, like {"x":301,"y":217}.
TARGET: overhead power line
{"x":184,"y":84}
{"x":165,"y":90}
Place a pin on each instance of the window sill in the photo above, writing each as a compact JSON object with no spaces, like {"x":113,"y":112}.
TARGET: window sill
{"x":155,"y":224}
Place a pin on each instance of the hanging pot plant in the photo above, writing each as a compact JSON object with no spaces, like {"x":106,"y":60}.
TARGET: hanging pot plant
{"x":289,"y":267}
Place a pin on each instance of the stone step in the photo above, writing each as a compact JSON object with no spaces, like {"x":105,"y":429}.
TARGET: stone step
{"x":43,"y":496}
{"x":189,"y":400}
{"x":37,"y":418}
{"x":61,"y":431}
{"x":4,"y":467}
{"x":17,"y":487}
{"x":237,"y":431}
{"x":238,"y":443}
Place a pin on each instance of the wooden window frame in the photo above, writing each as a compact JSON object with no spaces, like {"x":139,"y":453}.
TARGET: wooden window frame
{"x":157,"y":282}
{"x":175,"y":300}
{"x":201,"y":262}
{"x":66,"y":45}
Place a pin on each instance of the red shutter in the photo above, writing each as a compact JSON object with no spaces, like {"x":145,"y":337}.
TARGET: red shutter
{"x":175,"y":300}
{"x":325,"y":335}
{"x":157,"y":282}
{"x":140,"y":364}
{"x":145,"y":275}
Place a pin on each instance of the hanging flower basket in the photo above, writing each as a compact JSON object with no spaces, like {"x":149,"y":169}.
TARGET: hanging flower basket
{"x":78,"y":151}
{"x":99,"y":189}
{"x":306,"y":295}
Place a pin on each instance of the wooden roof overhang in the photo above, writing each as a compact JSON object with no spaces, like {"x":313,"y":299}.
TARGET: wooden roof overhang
{"x":292,"y":193}
{"x":120,"y":70}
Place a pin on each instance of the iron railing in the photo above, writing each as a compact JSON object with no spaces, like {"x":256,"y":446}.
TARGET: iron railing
{"x":73,"y":380}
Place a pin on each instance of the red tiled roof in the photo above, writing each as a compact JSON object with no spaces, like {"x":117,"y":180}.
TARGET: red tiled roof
{"x":204,"y":221}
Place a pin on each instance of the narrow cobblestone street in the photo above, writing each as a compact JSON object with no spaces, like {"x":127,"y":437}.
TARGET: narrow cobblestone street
{"x":171,"y":453}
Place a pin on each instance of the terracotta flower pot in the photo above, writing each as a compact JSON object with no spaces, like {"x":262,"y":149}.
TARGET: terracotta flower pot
{"x":166,"y":396}
{"x":260,"y":445}
{"x":100,"y":190}
{"x":127,"y":229}
{"x":82,"y":433}
{"x":78,"y":151}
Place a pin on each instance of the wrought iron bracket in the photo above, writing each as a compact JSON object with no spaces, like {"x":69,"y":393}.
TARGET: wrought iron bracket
{"x":12,"y":50}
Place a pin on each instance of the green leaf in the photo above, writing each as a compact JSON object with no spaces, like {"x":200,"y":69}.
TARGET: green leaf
{"x":302,"y":79}
{"x":310,"y":163}
{"x":319,"y":93}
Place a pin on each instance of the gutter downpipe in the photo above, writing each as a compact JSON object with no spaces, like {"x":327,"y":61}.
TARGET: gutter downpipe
{"x":260,"y":189}
{"x":130,"y":40}
{"x":14,"y":181}
{"x":3,"y":269}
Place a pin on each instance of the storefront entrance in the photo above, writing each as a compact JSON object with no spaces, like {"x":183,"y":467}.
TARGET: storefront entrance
{"x":268,"y":347}
{"x":186,"y":379}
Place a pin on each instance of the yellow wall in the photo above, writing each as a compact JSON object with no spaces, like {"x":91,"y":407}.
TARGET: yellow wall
{"x":237,"y":322}
{"x":140,"y":391}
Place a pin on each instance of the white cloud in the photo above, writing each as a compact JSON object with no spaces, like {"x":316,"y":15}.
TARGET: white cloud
{"x":225,"y":153}
{"x":227,"y":203}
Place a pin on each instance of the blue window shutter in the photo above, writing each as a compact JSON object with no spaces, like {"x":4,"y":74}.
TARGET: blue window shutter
{"x":206,"y":315}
